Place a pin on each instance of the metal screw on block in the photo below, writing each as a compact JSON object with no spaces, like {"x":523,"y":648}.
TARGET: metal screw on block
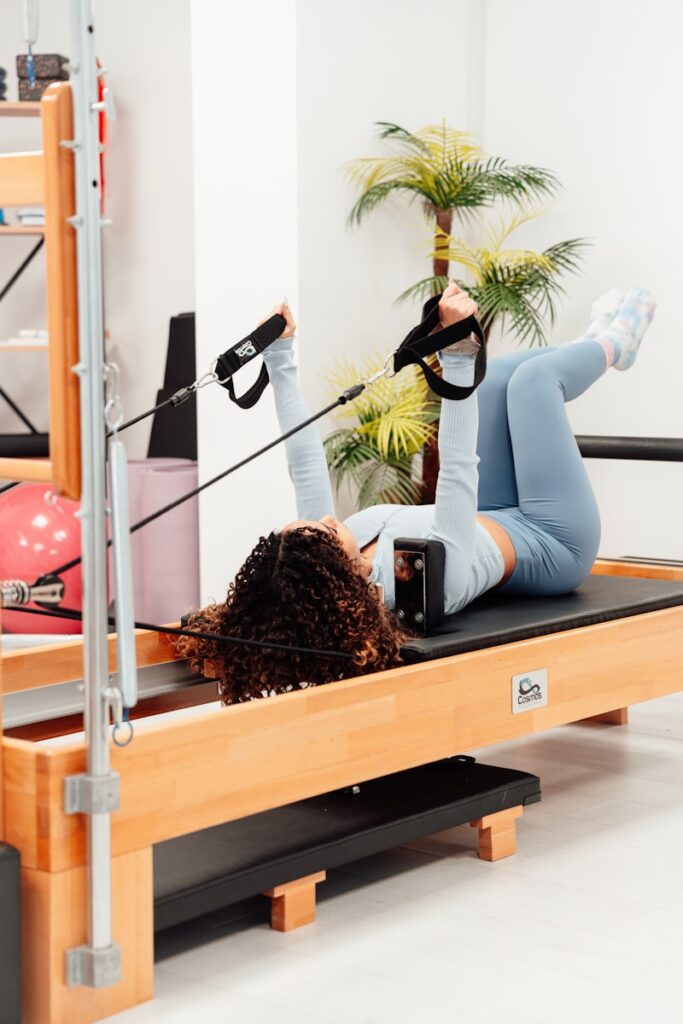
{"x":419,"y":564}
{"x":400,"y":614}
{"x":400,"y":563}
{"x":419,"y":617}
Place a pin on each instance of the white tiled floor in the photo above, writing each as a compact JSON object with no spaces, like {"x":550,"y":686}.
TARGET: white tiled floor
{"x":584,"y":925}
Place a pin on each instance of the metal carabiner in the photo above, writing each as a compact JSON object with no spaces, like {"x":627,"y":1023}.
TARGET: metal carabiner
{"x":113,"y":410}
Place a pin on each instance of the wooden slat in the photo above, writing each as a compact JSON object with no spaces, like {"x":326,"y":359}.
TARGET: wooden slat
{"x":21,"y":229}
{"x":9,"y":346}
{"x":21,"y":179}
{"x":647,"y":570}
{"x":62,"y":294}
{"x":39,"y":470}
{"x":223,"y":764}
{"x":35,"y":667}
{"x":20,"y":108}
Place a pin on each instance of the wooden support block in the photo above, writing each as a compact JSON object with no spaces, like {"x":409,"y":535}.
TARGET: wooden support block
{"x":293,"y":904}
{"x":54,"y":920}
{"x":497,"y":834}
{"x":617,"y":717}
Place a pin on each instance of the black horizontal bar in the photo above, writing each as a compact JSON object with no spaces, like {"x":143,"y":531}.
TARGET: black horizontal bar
{"x":645,"y":449}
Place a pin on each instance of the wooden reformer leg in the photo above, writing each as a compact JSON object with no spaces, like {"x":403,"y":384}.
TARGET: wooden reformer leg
{"x":293,"y":904}
{"x":617,"y":717}
{"x":497,"y":834}
{"x":54,"y":920}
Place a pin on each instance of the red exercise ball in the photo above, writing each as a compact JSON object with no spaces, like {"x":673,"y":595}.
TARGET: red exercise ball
{"x":39,"y":531}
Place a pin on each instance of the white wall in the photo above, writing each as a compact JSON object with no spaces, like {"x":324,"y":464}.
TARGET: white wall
{"x":149,"y":249}
{"x":360,"y":63}
{"x":246,"y":254}
{"x":589,"y":89}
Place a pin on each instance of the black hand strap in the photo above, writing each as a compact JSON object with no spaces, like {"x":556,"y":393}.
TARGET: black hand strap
{"x":420,"y":342}
{"x":250,"y":397}
{"x":243,"y":352}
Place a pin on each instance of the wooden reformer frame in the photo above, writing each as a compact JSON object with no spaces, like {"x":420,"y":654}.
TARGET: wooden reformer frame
{"x":47,"y":179}
{"x":217,"y":765}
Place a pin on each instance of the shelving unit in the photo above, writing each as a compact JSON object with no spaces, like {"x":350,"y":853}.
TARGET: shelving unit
{"x":46,"y":178}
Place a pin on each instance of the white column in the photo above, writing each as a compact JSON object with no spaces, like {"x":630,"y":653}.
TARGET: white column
{"x":245,"y":174}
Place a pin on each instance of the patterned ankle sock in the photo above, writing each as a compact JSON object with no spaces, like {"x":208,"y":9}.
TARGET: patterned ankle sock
{"x":628,"y":328}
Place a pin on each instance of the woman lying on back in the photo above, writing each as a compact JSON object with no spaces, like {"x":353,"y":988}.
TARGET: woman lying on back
{"x":514,"y":509}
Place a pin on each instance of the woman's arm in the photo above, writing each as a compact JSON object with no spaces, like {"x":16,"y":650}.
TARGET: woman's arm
{"x":305,"y":454}
{"x":455,"y":513}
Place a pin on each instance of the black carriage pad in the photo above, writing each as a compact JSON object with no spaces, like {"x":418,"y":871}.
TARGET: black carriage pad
{"x":206,"y":870}
{"x":496,"y":619}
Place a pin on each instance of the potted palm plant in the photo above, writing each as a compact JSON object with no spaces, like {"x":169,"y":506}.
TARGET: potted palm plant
{"x":380,"y":434}
{"x":448,"y":173}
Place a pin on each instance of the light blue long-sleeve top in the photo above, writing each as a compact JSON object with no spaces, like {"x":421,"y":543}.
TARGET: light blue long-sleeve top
{"x":474,"y":562}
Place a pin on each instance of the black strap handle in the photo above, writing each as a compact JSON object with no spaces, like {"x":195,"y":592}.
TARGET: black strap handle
{"x":421,"y":342}
{"x":234,"y":358}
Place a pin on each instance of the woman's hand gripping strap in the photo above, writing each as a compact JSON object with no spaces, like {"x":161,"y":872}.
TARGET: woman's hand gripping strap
{"x":243,"y":352}
{"x":422,"y":342}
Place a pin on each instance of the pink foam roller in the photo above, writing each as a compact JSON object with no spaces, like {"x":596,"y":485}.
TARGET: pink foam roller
{"x":166,"y":556}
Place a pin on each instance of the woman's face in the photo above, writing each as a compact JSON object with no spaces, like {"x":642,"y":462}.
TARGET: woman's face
{"x":335,"y":527}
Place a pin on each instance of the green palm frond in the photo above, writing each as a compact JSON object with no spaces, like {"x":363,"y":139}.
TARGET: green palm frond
{"x":519,"y":286}
{"x":443,"y":167}
{"x":388,"y":425}
{"x":390,"y":482}
{"x":424,"y":289}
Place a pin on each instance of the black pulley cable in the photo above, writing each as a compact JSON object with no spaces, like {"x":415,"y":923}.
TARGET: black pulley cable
{"x":347,"y":396}
{"x":223,"y":370}
{"x":72,"y":615}
{"x":420,"y":342}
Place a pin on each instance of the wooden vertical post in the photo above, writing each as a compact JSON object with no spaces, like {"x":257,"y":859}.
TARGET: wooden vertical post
{"x":54,"y":920}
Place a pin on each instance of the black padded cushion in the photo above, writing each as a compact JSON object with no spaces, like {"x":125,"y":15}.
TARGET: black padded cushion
{"x":495,"y":619}
{"x":200,"y":872}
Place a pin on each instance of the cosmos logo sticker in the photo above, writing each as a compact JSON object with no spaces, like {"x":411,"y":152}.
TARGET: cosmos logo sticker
{"x":530,"y":690}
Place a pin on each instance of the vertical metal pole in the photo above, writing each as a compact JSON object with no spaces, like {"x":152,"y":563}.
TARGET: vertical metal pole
{"x":98,"y":963}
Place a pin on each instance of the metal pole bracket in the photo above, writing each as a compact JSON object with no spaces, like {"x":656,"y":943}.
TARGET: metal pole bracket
{"x":92,"y":794}
{"x":96,"y":968}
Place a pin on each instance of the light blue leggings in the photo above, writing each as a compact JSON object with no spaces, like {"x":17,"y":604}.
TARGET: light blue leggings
{"x":531,"y":475}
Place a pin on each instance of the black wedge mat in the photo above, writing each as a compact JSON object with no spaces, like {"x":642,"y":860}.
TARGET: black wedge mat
{"x":495,"y":620}
{"x":210,"y":869}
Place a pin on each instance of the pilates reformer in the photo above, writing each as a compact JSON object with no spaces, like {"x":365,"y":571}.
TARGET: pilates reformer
{"x":508,"y":670}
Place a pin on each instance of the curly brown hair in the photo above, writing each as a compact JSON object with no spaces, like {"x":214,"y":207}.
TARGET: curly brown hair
{"x":296,"y":588}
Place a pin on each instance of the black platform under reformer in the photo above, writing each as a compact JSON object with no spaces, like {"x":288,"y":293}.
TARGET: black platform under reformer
{"x":210,"y":869}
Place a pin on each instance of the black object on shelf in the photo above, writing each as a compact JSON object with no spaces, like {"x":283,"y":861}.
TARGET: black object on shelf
{"x":10,"y":935}
{"x":174,"y":429}
{"x":215,"y":867}
{"x":24,"y":446}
